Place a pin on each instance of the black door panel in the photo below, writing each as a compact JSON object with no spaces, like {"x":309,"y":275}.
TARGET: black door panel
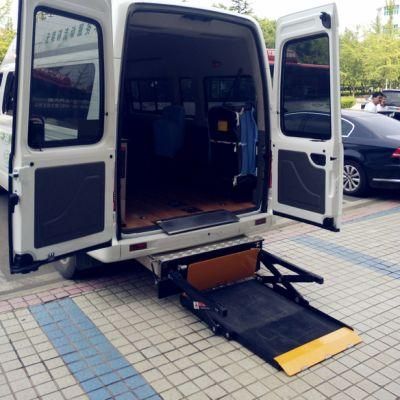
{"x":300,"y":183}
{"x":69,"y":202}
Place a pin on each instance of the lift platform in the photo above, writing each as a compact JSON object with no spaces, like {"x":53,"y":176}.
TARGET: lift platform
{"x":245,"y":295}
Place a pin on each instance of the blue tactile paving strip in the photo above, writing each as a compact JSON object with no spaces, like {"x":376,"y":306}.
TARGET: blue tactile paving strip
{"x":355,"y":257}
{"x":378,"y":214}
{"x":96,"y":364}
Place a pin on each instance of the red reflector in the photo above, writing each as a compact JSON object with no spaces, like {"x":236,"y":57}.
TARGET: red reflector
{"x":137,"y":246}
{"x":396,"y":153}
{"x":260,"y":221}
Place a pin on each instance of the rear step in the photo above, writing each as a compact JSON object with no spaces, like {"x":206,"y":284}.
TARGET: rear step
{"x":263,"y":312}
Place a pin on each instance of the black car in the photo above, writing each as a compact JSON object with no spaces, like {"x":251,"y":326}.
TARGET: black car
{"x":371,"y":147}
{"x":371,"y":152}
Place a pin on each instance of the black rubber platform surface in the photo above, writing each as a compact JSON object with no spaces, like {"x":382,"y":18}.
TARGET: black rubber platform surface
{"x":266,"y":322}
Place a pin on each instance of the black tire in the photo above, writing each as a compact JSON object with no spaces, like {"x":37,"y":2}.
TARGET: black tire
{"x":354,"y":179}
{"x":72,"y":267}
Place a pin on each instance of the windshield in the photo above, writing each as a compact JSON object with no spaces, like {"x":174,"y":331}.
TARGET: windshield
{"x":392,"y":98}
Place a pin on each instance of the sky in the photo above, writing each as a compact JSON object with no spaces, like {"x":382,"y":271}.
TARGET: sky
{"x":351,"y":12}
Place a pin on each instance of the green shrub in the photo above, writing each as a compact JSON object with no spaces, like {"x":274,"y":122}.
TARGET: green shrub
{"x":347,"y":101}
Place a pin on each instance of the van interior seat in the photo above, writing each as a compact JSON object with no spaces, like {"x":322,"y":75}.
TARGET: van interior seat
{"x":169,"y":132}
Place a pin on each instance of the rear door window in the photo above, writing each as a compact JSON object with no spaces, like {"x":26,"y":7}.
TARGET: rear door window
{"x":305,"y":85}
{"x":66,"y":92}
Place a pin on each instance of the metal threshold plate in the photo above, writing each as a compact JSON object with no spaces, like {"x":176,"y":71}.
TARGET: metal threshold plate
{"x":189,"y":223}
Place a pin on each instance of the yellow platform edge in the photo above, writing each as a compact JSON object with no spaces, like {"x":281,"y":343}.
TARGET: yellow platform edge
{"x":311,"y":353}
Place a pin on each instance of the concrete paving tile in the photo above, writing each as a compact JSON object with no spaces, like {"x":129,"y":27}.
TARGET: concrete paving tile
{"x":188,"y":388}
{"x":243,"y":394}
{"x":26,"y":394}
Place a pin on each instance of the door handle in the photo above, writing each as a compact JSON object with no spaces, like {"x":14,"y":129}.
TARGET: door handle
{"x":318,"y":159}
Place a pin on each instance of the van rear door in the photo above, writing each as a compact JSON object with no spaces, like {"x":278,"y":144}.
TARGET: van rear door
{"x":62,"y":161}
{"x":307,"y":153}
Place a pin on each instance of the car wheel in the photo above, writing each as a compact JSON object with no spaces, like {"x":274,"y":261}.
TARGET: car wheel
{"x":354,"y":179}
{"x":73,"y":266}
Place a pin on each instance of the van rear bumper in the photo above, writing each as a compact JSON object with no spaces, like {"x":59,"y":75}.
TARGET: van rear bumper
{"x":148,"y":244}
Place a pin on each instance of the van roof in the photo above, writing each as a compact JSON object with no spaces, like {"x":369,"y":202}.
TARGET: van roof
{"x":119,"y":10}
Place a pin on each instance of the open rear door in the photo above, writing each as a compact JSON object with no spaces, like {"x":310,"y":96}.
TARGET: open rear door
{"x":307,"y":154}
{"x":63,"y":151}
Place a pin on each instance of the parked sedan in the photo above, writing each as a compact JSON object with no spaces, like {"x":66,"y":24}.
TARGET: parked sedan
{"x":371,"y":147}
{"x":371,"y":152}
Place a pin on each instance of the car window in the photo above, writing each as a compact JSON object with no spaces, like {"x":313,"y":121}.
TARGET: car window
{"x":151,"y":94}
{"x":236,"y":90}
{"x":187,"y":90}
{"x":347,"y":128}
{"x":1,"y":78}
{"x":392,"y":98}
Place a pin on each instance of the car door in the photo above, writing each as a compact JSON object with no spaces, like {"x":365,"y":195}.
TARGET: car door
{"x":61,"y":171}
{"x":307,"y":161}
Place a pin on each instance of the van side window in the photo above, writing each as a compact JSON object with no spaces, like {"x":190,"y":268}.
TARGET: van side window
{"x":235,"y":90}
{"x":151,"y":94}
{"x":9,"y":91}
{"x":66,"y":98}
{"x":1,"y":78}
{"x":305,"y":82}
{"x":187,"y":90}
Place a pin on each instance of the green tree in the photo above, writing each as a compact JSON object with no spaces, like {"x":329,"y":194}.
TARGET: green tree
{"x":239,"y":6}
{"x":7,"y":32}
{"x":352,"y":66}
{"x":268,"y":27}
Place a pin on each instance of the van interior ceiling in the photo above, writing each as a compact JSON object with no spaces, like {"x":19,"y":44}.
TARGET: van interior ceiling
{"x":192,"y":111}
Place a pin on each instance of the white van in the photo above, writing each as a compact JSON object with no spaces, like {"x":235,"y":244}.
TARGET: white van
{"x":151,"y":131}
{"x":144,"y":127}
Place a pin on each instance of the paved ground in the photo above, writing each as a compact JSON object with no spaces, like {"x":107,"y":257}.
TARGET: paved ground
{"x":10,"y":284}
{"x":111,"y":337}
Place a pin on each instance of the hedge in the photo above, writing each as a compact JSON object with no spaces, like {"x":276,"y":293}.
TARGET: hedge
{"x":347,"y":101}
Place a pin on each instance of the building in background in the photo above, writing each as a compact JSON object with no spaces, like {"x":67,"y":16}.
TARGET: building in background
{"x":390,"y":12}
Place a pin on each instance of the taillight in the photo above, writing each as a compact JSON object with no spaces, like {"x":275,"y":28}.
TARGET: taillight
{"x":396,"y":153}
{"x":138,"y":246}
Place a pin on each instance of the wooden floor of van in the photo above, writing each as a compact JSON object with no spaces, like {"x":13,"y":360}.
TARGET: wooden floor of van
{"x":146,"y":209}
